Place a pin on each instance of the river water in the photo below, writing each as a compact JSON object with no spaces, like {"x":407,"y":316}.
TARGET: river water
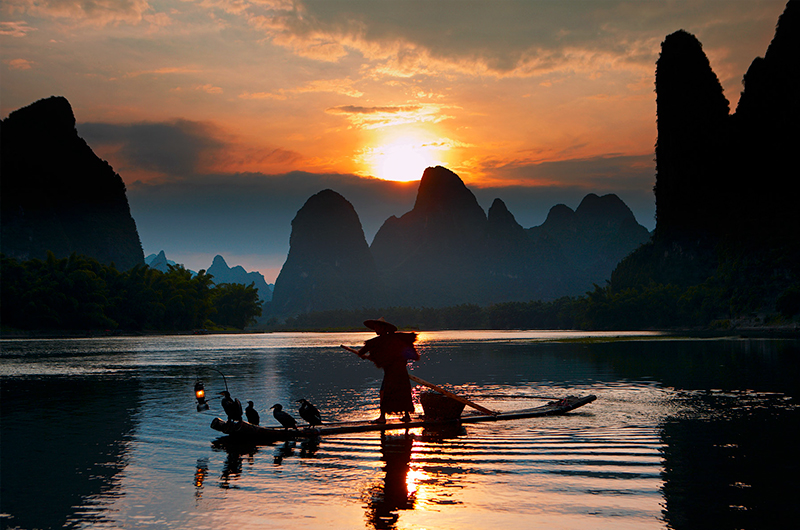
{"x":685,"y":433}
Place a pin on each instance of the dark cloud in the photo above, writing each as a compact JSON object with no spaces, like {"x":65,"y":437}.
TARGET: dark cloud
{"x":353,"y":109}
{"x":173,"y":148}
{"x":524,"y":36}
{"x":607,"y":172}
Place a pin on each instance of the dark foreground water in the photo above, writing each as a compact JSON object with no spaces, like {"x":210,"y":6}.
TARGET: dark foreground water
{"x":103,"y":433}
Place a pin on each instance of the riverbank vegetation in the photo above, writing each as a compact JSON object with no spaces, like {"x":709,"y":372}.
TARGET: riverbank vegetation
{"x":80,"y":293}
{"x":694,"y":287}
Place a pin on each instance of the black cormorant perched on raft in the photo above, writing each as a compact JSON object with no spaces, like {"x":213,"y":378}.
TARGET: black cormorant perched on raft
{"x":283,"y":417}
{"x":309,"y":413}
{"x":232,"y":407}
{"x":252,"y":414}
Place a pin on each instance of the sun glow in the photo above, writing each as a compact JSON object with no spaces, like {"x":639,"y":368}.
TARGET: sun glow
{"x":402,"y":159}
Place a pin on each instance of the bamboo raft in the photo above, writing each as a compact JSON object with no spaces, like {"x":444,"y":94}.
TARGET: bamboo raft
{"x":244,"y":431}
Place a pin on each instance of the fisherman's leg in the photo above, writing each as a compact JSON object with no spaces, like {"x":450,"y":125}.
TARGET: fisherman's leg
{"x":382,"y":417}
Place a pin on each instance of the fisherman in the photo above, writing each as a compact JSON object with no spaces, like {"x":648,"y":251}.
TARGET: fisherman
{"x":391,"y":350}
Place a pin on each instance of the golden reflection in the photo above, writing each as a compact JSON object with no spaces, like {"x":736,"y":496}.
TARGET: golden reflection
{"x":413,"y":479}
{"x":200,"y":475}
{"x":384,"y":500}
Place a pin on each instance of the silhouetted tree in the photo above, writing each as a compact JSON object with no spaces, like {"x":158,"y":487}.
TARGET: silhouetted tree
{"x":236,"y":305}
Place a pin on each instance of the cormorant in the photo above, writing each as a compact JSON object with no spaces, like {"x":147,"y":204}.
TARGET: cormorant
{"x":284,"y":418}
{"x":232,"y":407}
{"x":252,"y":414}
{"x":309,"y":413}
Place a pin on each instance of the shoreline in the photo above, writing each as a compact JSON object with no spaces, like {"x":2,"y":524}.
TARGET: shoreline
{"x":765,"y":332}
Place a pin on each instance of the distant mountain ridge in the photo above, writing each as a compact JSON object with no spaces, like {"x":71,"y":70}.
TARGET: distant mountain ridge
{"x":448,"y":251}
{"x":221,"y":273}
{"x":593,"y":238}
{"x":160,"y":262}
{"x":57,"y":195}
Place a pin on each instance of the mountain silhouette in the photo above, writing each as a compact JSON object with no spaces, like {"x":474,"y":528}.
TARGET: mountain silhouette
{"x":159,"y":261}
{"x":447,"y":251}
{"x":589,"y":242}
{"x":726,"y":185}
{"x":433,"y":254}
{"x":57,"y":195}
{"x":329,"y":265}
{"x":222,"y":273}
{"x":766,"y":133}
{"x":692,"y":135}
{"x":721,"y":175}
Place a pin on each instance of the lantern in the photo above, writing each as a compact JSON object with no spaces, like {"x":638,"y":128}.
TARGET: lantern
{"x":200,"y":395}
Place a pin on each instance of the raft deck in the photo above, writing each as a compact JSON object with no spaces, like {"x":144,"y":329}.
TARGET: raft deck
{"x":247,"y":431}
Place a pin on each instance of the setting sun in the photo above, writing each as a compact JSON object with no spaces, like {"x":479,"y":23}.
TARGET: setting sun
{"x":402,"y":159}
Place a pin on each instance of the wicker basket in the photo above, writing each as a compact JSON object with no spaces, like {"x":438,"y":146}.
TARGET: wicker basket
{"x":440,"y":407}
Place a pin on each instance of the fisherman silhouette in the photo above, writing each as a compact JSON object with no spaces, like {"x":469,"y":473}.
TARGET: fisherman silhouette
{"x":391,"y":350}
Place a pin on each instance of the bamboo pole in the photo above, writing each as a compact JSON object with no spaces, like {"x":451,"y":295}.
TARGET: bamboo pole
{"x":437,"y":388}
{"x":521,"y":396}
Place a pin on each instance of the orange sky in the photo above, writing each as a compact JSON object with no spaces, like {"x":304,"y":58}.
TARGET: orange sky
{"x":546,"y":95}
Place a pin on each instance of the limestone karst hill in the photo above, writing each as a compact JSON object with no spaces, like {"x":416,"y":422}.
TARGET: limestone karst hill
{"x":329,"y":265}
{"x":57,"y":195}
{"x":447,"y":251}
{"x":726,"y":184}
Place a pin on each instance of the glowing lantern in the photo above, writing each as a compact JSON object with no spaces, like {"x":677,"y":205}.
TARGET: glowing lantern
{"x":200,"y":394}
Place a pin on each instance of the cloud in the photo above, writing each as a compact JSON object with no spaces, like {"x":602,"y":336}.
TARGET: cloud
{"x":376,"y":117}
{"x":209,"y":89}
{"x":167,"y":70}
{"x":177,"y":148}
{"x":96,"y":12}
{"x":261,"y":95}
{"x":605,"y":172}
{"x":500,"y":38}
{"x":352,"y":109}
{"x":17,"y":28}
{"x":19,"y":64}
{"x":337,"y":86}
